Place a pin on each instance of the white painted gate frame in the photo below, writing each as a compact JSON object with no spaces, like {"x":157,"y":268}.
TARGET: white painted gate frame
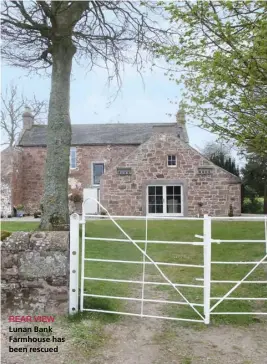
{"x":206,"y":243}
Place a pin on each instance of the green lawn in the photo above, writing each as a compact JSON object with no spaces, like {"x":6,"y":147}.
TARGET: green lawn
{"x":179,"y":231}
{"x":18,"y":226}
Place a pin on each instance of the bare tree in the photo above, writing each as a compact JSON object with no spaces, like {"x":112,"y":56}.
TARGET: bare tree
{"x":215,"y":148}
{"x":13,"y":106}
{"x":40,"y":34}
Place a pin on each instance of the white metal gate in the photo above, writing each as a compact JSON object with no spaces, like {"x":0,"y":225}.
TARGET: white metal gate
{"x":204,"y":283}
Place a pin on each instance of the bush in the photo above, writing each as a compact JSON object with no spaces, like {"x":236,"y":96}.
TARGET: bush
{"x":37,"y":214}
{"x":76,"y":196}
{"x":254,"y":206}
{"x":231,"y":211}
{"x":5,"y":234}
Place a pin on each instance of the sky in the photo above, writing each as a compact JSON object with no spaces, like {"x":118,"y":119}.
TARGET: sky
{"x":150,"y":98}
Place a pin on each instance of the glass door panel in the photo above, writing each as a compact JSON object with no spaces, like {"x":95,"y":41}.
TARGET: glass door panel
{"x":155,"y":199}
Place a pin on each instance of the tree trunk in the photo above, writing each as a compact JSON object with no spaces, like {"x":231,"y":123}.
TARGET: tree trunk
{"x":55,"y":209}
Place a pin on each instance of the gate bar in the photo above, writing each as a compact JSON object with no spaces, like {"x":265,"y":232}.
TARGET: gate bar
{"x":141,"y":282}
{"x":246,"y":263}
{"x":214,"y":281}
{"x":140,"y":262}
{"x":140,"y":299}
{"x":239,"y":313}
{"x":148,"y":241}
{"x":138,"y":315}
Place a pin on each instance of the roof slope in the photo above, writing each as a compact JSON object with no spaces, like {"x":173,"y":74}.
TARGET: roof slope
{"x":93,"y":134}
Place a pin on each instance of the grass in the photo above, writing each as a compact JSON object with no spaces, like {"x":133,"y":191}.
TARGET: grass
{"x":88,"y":335}
{"x":181,"y":231}
{"x":19,"y":226}
{"x":170,"y":230}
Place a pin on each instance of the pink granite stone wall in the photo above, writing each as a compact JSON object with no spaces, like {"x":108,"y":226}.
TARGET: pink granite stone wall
{"x":126,"y":194}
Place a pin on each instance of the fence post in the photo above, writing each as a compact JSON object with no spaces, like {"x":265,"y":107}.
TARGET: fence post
{"x":74,"y":264}
{"x":207,"y":266}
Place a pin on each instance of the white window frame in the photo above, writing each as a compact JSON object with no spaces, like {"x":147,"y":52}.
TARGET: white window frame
{"x":73,"y":149}
{"x":92,"y":172}
{"x":165,"y":213}
{"x":171,"y":165}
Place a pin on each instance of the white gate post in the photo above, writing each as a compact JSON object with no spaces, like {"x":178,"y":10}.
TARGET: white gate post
{"x":207,"y":266}
{"x":74,"y":264}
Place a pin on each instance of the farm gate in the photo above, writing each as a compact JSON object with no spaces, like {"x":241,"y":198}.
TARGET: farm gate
{"x":202,"y":310}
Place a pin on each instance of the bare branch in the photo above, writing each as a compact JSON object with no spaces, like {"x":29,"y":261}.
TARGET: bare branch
{"x":12,"y":109}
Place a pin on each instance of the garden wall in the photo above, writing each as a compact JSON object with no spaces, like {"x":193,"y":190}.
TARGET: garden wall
{"x":35,"y":272}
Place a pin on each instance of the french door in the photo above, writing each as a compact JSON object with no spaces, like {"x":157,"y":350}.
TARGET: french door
{"x":165,"y":200}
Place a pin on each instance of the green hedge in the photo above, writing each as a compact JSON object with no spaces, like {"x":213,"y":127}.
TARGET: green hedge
{"x":253,"y":207}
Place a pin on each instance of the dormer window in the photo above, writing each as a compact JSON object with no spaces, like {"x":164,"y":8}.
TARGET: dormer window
{"x":172,"y":161}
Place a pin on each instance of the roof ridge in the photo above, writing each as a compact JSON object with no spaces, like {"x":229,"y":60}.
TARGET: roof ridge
{"x":101,"y":134}
{"x":117,"y":124}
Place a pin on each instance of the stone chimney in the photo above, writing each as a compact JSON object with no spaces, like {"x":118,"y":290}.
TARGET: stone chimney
{"x":180,"y":116}
{"x":27,"y":118}
{"x":181,"y":124}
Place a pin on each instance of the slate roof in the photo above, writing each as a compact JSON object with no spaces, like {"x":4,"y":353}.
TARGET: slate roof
{"x":100,"y":134}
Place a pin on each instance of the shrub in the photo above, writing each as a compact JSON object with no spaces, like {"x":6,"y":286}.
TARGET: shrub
{"x":76,"y":196}
{"x":231,"y":211}
{"x":5,"y":234}
{"x":20,"y":207}
{"x":37,"y":214}
{"x":254,"y":206}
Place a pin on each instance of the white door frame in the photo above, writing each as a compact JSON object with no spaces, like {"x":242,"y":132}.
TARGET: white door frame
{"x":164,"y":188}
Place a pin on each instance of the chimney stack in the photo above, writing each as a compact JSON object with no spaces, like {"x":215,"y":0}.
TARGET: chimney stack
{"x":180,"y":116}
{"x":27,"y":118}
{"x":180,"y":119}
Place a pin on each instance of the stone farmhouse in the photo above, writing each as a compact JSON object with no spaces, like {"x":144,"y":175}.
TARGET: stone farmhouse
{"x":132,"y":169}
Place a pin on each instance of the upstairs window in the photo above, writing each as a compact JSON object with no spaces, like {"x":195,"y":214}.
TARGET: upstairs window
{"x":98,"y":170}
{"x":171,"y":162}
{"x":73,"y":159}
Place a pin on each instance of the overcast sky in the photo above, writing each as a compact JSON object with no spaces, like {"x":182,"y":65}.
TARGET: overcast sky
{"x":146,"y":99}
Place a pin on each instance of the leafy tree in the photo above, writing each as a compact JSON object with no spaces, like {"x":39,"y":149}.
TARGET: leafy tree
{"x":43,"y":34}
{"x":221,"y":54}
{"x":13,"y":106}
{"x":226,"y":163}
{"x":255,"y":178}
